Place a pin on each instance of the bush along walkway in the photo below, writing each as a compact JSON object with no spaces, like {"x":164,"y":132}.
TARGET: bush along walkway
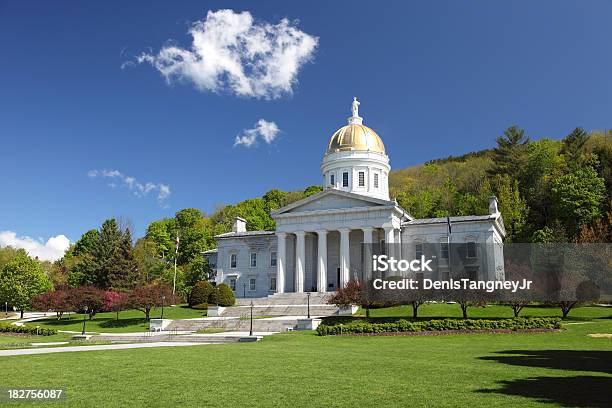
{"x":447,"y":326}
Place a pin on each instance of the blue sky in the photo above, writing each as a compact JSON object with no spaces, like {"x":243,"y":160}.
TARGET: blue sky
{"x":434,"y":79}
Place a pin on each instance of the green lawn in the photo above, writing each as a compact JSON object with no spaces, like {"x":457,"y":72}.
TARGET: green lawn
{"x":300,"y":369}
{"x":129,"y":320}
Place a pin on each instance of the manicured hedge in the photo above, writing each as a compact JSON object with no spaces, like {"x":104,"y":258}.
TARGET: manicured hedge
{"x":519,"y":323}
{"x":9,"y":328}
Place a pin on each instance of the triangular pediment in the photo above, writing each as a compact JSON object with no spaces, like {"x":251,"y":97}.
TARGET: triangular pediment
{"x":332,"y":200}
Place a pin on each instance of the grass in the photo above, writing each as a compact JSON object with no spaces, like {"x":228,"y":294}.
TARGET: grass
{"x":129,"y":320}
{"x":565,"y":368}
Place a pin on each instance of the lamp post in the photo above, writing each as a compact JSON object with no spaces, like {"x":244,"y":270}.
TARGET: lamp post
{"x":163,"y":301}
{"x":84,"y":320}
{"x":244,"y":290}
{"x":308,"y":300}
{"x":251,"y":328}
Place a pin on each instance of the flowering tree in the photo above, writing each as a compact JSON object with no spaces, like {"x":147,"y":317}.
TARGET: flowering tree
{"x":145,"y":298}
{"x":57,"y":301}
{"x":115,"y":301}
{"x":87,"y":299}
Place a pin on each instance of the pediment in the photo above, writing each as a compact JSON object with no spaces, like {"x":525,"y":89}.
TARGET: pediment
{"x":332,"y":200}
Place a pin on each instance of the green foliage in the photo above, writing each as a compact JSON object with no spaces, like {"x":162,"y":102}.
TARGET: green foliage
{"x":201,"y":292}
{"x":21,"y":279}
{"x":222,"y":296}
{"x":403,"y":326}
{"x":10,"y":328}
{"x":578,"y":198}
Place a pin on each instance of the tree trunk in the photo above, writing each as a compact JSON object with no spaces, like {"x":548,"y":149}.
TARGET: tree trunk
{"x":367,"y":312}
{"x":22,"y":313}
{"x":464,"y":308}
{"x":415,"y":309}
{"x":148,"y":313}
{"x":117,"y":315}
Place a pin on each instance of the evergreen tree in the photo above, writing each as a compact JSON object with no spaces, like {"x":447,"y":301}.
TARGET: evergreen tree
{"x":574,"y":148}
{"x":510,"y":155}
{"x":122,"y":270}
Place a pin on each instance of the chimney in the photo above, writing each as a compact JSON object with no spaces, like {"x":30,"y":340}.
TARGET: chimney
{"x":493,"y":210}
{"x":239,"y":225}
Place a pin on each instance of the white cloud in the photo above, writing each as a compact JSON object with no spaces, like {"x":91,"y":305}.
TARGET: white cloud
{"x":268,"y":131}
{"x":131,"y":183}
{"x":231,"y":52}
{"x":51,"y":250}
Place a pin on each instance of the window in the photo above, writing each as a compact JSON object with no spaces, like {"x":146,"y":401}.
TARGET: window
{"x":420,"y":276}
{"x":253,"y":259}
{"x":273,"y":258}
{"x":332,"y":180}
{"x":361,"y":179}
{"x":444,"y":250}
{"x":418,"y":250}
{"x":375,"y":180}
{"x":232,"y":284}
{"x":445,"y":276}
{"x":233,"y":260}
{"x":344,"y":179}
{"x":473,"y":274}
{"x":382,"y":247}
{"x":252,"y":284}
{"x":273,"y":283}
{"x":471,"y":250}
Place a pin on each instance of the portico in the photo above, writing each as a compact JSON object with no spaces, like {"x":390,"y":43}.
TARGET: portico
{"x":325,"y":232}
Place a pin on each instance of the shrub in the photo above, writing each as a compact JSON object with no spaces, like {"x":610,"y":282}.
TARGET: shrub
{"x":201,"y":293}
{"x":223,"y":296}
{"x":402,"y":325}
{"x":9,"y":328}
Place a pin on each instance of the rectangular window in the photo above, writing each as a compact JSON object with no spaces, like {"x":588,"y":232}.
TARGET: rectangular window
{"x":383,"y":247}
{"x":273,"y":284}
{"x":273,"y":258}
{"x":332,"y":180}
{"x":232,"y":284}
{"x":361,"y":179}
{"x":233,"y":260}
{"x":253,"y":259}
{"x":418,"y":251}
{"x":444,"y":250}
{"x":473,"y":274}
{"x":375,"y":180}
{"x":344,"y":179}
{"x":252,"y":284}
{"x":471,"y":250}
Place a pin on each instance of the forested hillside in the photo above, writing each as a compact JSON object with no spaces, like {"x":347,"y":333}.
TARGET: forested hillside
{"x":548,"y":191}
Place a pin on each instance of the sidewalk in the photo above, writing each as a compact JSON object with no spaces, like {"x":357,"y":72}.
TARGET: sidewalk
{"x":22,"y":352}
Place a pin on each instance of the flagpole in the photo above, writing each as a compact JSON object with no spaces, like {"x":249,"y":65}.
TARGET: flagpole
{"x":174,"y":278}
{"x":448,"y":234}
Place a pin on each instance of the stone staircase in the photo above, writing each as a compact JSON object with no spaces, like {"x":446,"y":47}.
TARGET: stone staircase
{"x":140,"y":338}
{"x":237,"y":324}
{"x":283,"y":304}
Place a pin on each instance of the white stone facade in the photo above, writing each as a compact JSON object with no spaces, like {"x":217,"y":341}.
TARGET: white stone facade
{"x":318,"y":241}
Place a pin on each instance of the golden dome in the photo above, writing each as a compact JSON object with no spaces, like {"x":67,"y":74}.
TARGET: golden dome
{"x":355,"y":137}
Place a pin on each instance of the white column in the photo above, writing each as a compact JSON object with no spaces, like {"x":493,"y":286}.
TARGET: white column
{"x":345,"y":258}
{"x":398,"y":243}
{"x":322,"y":269}
{"x":390,"y":241}
{"x":300,"y":259}
{"x":367,"y":248}
{"x":281,"y":261}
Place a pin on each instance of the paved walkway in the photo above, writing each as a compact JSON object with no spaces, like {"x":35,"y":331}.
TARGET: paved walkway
{"x":21,"y":352}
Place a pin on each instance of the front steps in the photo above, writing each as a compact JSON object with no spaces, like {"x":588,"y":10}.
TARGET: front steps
{"x":283,"y":304}
{"x":235,"y":324}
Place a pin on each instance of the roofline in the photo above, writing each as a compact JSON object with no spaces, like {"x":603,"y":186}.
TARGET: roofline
{"x":328,"y":191}
{"x":242,"y":235}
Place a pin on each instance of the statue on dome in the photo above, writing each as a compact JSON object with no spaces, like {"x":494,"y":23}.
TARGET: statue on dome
{"x":355,"y":107}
